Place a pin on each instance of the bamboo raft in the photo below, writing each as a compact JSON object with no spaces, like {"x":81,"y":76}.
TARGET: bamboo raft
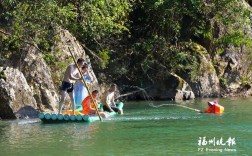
{"x":64,"y":118}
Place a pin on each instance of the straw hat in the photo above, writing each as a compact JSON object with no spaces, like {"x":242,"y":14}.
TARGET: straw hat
{"x":212,"y":102}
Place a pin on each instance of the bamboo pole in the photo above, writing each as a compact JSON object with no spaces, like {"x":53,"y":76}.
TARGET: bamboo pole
{"x":82,"y":78}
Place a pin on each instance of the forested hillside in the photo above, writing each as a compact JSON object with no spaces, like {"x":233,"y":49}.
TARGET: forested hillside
{"x":140,"y":42}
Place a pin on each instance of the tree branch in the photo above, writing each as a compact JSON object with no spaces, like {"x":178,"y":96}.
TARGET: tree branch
{"x":92,"y":53}
{"x":5,"y":33}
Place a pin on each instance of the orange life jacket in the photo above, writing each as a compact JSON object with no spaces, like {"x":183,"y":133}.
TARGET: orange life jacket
{"x":215,"y":108}
{"x":87,"y":106}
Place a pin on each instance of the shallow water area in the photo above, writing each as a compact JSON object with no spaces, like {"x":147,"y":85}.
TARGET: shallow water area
{"x":142,"y":130}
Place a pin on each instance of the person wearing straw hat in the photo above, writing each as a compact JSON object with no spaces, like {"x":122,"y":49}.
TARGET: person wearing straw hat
{"x":211,"y":107}
{"x":67,"y":83}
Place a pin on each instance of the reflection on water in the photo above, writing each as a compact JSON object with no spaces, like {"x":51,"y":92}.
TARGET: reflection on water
{"x":28,"y":137}
{"x":142,"y":130}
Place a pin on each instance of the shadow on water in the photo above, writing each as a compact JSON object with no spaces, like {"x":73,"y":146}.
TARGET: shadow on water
{"x":27,"y":111}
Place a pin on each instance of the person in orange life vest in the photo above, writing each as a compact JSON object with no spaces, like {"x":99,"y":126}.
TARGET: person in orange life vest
{"x":89,"y":107}
{"x":211,"y":108}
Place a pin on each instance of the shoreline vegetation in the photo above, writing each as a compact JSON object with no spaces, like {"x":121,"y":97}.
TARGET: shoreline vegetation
{"x":170,"y":50}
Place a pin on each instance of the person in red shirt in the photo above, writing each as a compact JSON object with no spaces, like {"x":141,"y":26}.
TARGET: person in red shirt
{"x":214,"y":107}
{"x":211,"y":108}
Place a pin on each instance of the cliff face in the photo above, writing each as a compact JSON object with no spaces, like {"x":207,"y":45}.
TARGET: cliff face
{"x":16,"y":95}
{"x":185,"y":85}
{"x":29,"y":85}
{"x":234,"y":73}
{"x":224,"y":75}
{"x":39,"y":78}
{"x":227,"y":75}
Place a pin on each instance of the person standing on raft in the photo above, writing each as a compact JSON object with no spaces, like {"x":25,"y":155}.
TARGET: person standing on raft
{"x":214,"y":107}
{"x":67,"y":83}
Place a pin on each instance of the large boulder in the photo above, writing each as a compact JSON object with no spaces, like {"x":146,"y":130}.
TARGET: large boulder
{"x":205,"y":82}
{"x":171,"y":87}
{"x":16,"y":97}
{"x":44,"y":76}
{"x":39,"y":78}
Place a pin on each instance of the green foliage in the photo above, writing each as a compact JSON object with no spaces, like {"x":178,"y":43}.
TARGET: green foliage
{"x":194,"y":72}
{"x":104,"y":55}
{"x":161,"y":26}
{"x":223,"y":82}
{"x":183,"y":20}
{"x":129,"y":39}
{"x":244,"y":80}
{"x":219,"y":51}
{"x":156,"y":57}
{"x":174,"y":20}
{"x":35,"y":22}
{"x":234,"y":22}
{"x":236,"y":38}
{"x":49,"y":58}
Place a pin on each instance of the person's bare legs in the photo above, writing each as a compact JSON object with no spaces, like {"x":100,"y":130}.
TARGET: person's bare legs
{"x":71,"y":95}
{"x":62,"y":100}
{"x":103,"y":114}
{"x":120,"y":111}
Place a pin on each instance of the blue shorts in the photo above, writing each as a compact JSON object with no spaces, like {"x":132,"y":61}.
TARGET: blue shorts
{"x":67,"y":86}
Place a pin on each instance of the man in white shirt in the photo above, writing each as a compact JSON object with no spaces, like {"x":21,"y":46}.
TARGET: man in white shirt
{"x":67,"y":83}
{"x":108,"y":100}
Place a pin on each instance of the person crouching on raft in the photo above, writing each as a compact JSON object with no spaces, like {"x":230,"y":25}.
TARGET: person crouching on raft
{"x":214,"y":107}
{"x":108,"y":100}
{"x":88,"y":107}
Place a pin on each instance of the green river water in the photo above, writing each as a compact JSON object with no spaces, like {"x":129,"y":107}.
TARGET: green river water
{"x":141,"y":131}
